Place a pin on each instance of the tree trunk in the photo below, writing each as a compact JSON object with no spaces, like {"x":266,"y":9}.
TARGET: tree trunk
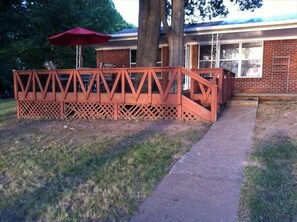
{"x":175,"y":33}
{"x":176,"y":36}
{"x":148,"y":33}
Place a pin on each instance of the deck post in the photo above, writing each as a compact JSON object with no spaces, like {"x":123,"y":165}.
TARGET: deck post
{"x":214,"y":103}
{"x":116,"y":111}
{"x":123,"y":87}
{"x":179,"y":93}
{"x":232,"y":83}
{"x":34,"y":74}
{"x":225,"y":86}
{"x":228,"y":85}
{"x":179,"y":113}
{"x":98,"y":86}
{"x":54,"y":85}
{"x":15,"y":85}
{"x":149,"y":88}
{"x":15,"y":88}
{"x":220,"y":86}
{"x":18,"y":109}
{"x":192,"y":88}
{"x":62,"y":110}
{"x":74,"y":76}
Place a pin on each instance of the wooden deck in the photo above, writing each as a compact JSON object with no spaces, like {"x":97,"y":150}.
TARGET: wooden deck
{"x":125,"y":93}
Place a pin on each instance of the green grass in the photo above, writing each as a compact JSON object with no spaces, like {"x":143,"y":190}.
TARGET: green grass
{"x":7,"y":110}
{"x":270,"y":189}
{"x":54,"y":184}
{"x":49,"y":172}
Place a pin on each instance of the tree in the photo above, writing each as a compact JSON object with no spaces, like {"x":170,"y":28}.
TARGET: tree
{"x":26,"y":25}
{"x":175,"y":32}
{"x":148,"y":32}
{"x":175,"y":11}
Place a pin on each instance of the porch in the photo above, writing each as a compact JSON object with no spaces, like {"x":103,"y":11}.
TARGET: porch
{"x":123,"y":93}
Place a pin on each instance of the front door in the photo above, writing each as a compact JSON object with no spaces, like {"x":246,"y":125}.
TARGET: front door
{"x":186,"y":79}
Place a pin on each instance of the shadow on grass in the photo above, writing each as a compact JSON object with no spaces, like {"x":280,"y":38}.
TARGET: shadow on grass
{"x":270,"y":189}
{"x":19,"y":128}
{"x":31,"y":205}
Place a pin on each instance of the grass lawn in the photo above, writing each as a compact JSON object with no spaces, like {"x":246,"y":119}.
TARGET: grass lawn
{"x":270,"y":180}
{"x":78,"y":170}
{"x":7,"y":111}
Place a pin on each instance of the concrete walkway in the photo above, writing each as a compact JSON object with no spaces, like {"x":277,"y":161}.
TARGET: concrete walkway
{"x":205,"y":184}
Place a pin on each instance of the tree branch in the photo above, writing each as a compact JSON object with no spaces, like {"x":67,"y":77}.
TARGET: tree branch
{"x":166,"y":27}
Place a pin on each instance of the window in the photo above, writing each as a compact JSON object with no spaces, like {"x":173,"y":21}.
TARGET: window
{"x":251,"y":64}
{"x":205,"y":56}
{"x":133,"y":53}
{"x":229,"y":56}
{"x":244,"y":59}
{"x":159,"y":57}
{"x":133,"y":58}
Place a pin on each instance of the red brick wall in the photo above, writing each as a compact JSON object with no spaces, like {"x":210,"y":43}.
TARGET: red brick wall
{"x":119,"y":57}
{"x":273,"y":82}
{"x":195,"y":56}
{"x":165,"y":56}
{"x":269,"y":83}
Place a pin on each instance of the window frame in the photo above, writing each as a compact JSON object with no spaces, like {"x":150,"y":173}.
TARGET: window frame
{"x":159,"y":63}
{"x":205,"y":61}
{"x":240,"y":58}
{"x":132,"y":64}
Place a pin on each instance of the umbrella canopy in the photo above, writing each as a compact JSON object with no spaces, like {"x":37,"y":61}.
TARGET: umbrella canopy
{"x":78,"y":37}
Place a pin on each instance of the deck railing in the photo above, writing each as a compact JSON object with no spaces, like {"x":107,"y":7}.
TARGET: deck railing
{"x":133,"y":93}
{"x":223,"y":78}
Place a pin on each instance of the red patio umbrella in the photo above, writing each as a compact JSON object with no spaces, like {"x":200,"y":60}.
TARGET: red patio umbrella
{"x":78,"y":37}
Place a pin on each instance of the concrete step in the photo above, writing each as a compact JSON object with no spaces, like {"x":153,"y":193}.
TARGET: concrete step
{"x":269,"y":96}
{"x":243,"y":101}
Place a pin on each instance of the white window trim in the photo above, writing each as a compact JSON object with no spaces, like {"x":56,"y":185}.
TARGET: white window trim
{"x":218,"y":60}
{"x":159,"y":75}
{"x":130,"y":57}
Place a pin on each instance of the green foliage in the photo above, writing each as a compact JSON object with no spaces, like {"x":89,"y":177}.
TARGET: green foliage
{"x":195,"y":10}
{"x":215,"y":8}
{"x":26,"y":25}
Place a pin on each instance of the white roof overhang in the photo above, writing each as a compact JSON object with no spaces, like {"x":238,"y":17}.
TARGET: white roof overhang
{"x":259,"y":30}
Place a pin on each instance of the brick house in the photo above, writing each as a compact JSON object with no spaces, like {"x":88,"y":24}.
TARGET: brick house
{"x":261,"y":51}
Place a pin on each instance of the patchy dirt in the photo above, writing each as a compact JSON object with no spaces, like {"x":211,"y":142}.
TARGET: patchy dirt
{"x":276,"y":120}
{"x":81,"y":132}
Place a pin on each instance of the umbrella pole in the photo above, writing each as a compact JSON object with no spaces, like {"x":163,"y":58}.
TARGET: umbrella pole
{"x":78,"y":57}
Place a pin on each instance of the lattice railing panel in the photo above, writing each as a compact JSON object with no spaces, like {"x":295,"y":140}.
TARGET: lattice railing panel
{"x":52,"y":110}
{"x":147,"y":112}
{"x":189,"y":116}
{"x":89,"y":111}
{"x":39,"y":110}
